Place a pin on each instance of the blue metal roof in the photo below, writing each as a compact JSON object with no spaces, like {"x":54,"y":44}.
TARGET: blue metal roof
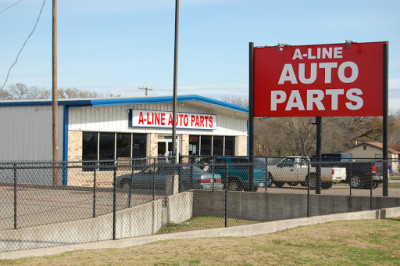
{"x":126,"y":101}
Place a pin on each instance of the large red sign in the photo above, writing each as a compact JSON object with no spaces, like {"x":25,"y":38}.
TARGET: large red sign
{"x":319,"y":80}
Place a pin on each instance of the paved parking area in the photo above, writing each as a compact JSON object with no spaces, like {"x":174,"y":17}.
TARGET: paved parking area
{"x":46,"y":205}
{"x":41,"y":205}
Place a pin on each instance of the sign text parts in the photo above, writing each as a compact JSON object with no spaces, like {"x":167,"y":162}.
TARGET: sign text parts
{"x":345,"y":73}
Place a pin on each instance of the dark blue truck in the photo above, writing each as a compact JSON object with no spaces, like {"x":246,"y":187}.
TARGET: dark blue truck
{"x":360,"y":174}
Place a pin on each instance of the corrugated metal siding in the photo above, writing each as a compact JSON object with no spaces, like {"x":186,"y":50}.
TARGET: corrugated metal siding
{"x":115,"y":119}
{"x":26,"y":133}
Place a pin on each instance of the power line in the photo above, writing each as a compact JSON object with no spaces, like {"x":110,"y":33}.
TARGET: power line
{"x":20,"y":51}
{"x":7,"y":8}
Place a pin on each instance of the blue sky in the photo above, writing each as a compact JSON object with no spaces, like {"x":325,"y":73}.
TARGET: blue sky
{"x":120,"y":45}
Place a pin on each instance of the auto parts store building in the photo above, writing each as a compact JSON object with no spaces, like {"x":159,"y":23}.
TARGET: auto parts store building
{"x":121,"y":128}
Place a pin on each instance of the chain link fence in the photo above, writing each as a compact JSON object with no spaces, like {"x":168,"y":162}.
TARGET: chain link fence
{"x":50,"y":204}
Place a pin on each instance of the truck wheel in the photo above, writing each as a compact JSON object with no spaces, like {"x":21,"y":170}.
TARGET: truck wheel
{"x":234,"y":185}
{"x":271,"y":178}
{"x":303,"y":184}
{"x":326,"y":185}
{"x":356,"y":182}
{"x":277,"y":184}
{"x":293,"y":184}
{"x":125,"y":184}
{"x":375,"y":185}
{"x":313,"y":181}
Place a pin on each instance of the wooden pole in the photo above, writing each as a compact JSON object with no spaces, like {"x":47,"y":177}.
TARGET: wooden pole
{"x":175,"y":92}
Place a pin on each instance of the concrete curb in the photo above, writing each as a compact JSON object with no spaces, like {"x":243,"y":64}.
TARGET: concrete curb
{"x":236,"y":231}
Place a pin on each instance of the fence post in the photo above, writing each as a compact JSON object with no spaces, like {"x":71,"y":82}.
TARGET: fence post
{"x":94,"y":190}
{"x":213,"y":171}
{"x":266,"y":174}
{"x":154,"y":183}
{"x":114,"y":202}
{"x":191,"y":176}
{"x":131,"y":184}
{"x":226,"y":196}
{"x":15,"y":195}
{"x":350,"y":177}
{"x":370,"y":189}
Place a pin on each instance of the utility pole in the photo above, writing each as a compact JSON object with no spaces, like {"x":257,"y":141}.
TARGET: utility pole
{"x":55,"y":94}
{"x":174,"y":153}
{"x":146,"y":89}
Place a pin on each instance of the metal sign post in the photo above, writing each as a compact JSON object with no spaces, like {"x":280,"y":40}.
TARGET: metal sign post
{"x":318,"y":122}
{"x":385,"y":119}
{"x":251,"y":115}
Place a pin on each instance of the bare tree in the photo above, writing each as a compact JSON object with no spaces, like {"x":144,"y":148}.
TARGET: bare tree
{"x":3,"y":94}
{"x":75,"y":93}
{"x":236,"y":100}
{"x":300,"y":134}
{"x":20,"y":91}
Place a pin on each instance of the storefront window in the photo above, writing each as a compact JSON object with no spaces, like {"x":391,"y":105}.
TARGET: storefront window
{"x":139,"y":146}
{"x":205,"y":145}
{"x":221,"y":145}
{"x":218,"y":145}
{"x":89,"y":146}
{"x":194,"y":141}
{"x":123,"y":146}
{"x":107,"y":149}
{"x":230,"y":146}
{"x":89,"y":149}
{"x":102,"y":146}
{"x":124,"y":150}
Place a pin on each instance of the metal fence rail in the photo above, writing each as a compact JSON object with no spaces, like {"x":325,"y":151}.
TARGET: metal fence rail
{"x":102,"y":200}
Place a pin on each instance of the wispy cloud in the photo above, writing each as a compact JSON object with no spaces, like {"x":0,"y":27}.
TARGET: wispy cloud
{"x":394,"y":83}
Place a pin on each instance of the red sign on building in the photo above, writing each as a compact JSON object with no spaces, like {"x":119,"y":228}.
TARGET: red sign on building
{"x":319,"y":80}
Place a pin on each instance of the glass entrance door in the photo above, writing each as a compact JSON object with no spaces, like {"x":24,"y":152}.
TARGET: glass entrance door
{"x":165,"y":147}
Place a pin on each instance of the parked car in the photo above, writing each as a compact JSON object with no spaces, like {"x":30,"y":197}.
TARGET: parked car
{"x":155,"y":176}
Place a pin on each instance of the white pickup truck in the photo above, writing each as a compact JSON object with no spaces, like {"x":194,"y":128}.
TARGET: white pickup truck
{"x":293,"y":170}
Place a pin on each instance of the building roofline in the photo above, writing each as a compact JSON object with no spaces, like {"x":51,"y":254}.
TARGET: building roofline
{"x":378,"y":145}
{"x":125,"y":101}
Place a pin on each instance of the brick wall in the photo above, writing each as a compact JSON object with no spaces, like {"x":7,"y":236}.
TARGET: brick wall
{"x":74,"y":146}
{"x":241,"y":146}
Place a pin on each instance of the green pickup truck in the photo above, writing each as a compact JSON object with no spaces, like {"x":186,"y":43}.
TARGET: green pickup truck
{"x":237,"y":171}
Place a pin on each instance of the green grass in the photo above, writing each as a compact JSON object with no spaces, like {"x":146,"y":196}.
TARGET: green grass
{"x":395,"y":177}
{"x":396,"y":185}
{"x":362,"y":242}
{"x":203,"y":222}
